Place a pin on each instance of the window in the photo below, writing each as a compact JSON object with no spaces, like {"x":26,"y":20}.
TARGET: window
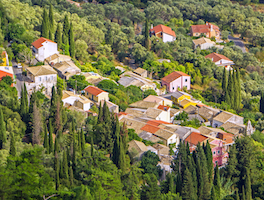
{"x":39,"y":78}
{"x":214,"y":152}
{"x":218,"y":152}
{"x":186,"y":80}
{"x":172,"y":88}
{"x":216,"y":162}
{"x":46,"y":78}
{"x":51,"y":78}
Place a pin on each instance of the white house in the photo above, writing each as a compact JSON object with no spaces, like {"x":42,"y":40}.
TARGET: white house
{"x":221,"y":60}
{"x":224,"y":117}
{"x":203,"y":43}
{"x":41,"y":77}
{"x":81,"y":102}
{"x":43,"y":48}
{"x":163,"y":32}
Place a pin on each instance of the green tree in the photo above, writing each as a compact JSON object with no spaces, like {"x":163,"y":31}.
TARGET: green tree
{"x":217,"y":182}
{"x":82,"y":141}
{"x":72,"y":43}
{"x":109,"y":37}
{"x":224,"y":81}
{"x":237,"y":195}
{"x":187,"y":186}
{"x":231,"y":88}
{"x":213,"y":194}
{"x":56,"y":146}
{"x":12,"y":150}
{"x":146,"y":41}
{"x":45,"y":25}
{"x":56,"y":169}
{"x":65,"y":166}
{"x":149,"y":163}
{"x":51,"y":18}
{"x":209,"y":158}
{"x":58,"y":36}
{"x":46,"y":140}
{"x":243,"y":193}
{"x":66,"y":26}
{"x":261,"y":103}
{"x":150,"y":190}
{"x":248,"y":186}
{"x":238,"y":86}
{"x":51,"y":146}
{"x":2,"y":130}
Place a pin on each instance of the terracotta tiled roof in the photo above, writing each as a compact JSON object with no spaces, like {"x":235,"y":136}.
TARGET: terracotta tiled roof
{"x":165,"y":108}
{"x":216,"y":57}
{"x":157,"y":122}
{"x":194,"y":138}
{"x":93,"y":90}
{"x":164,"y":29}
{"x":38,"y":43}
{"x":173,"y":76}
{"x":150,"y":128}
{"x":204,"y":28}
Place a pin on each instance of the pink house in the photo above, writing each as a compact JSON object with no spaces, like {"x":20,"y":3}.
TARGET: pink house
{"x":220,"y":156}
{"x":175,"y":81}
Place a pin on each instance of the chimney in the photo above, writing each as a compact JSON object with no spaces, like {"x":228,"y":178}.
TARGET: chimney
{"x":151,"y":26}
{"x":213,"y":59}
{"x":211,"y":26}
{"x":206,"y":23}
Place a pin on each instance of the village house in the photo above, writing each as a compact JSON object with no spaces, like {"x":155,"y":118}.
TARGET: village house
{"x":186,"y":103}
{"x":56,"y":58}
{"x":41,"y":77}
{"x":225,"y":117}
{"x":208,"y":30}
{"x":6,"y":71}
{"x":43,"y":48}
{"x":235,"y":128}
{"x":130,"y":78}
{"x":203,"y":43}
{"x":112,"y":107}
{"x":70,"y":98}
{"x":176,"y":81}
{"x":144,"y":104}
{"x":221,"y":60}
{"x":66,"y":69}
{"x":93,"y":78}
{"x":141,"y":72}
{"x":220,"y":156}
{"x":158,"y":99}
{"x":137,"y":148}
{"x":208,"y":113}
{"x":194,"y":138}
{"x":95,"y":94}
{"x":178,"y":96}
{"x":163,"y":32}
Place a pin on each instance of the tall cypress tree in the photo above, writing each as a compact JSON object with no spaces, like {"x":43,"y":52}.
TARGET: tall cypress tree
{"x":50,"y":137}
{"x":65,"y":166}
{"x":231,"y":88}
{"x":116,"y":150}
{"x":79,"y":142}
{"x":46,"y":141}
{"x":12,"y":150}
{"x":238,"y":88}
{"x":187,"y":186}
{"x":213,"y":194}
{"x":92,"y":149}
{"x":224,"y":81}
{"x":45,"y":25}
{"x":209,"y":158}
{"x":53,"y":106}
{"x":58,"y":36}
{"x":72,"y":43}
{"x":71,"y":176}
{"x":248,"y":186}
{"x":56,"y":146}
{"x":66,"y":26}
{"x":237,"y":195}
{"x":243,"y":193}
{"x":146,"y":41}
{"x":50,"y":35}
{"x":82,"y":141}
{"x":261,"y":103}
{"x":57,"y":168}
{"x":217,"y":183}
{"x":235,"y":104}
{"x":2,"y":129}
{"x":51,"y":19}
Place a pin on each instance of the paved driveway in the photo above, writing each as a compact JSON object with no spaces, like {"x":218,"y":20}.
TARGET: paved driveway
{"x":238,"y":42}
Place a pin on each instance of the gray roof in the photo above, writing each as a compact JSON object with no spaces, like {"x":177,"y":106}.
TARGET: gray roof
{"x":179,"y":94}
{"x":148,"y":136}
{"x":184,"y":132}
{"x":126,"y":81}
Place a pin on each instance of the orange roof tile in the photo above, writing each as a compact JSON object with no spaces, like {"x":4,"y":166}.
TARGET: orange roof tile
{"x":150,"y":128}
{"x":38,"y":43}
{"x":203,"y":28}
{"x":173,"y":76}
{"x":165,"y":108}
{"x":93,"y":90}
{"x":216,"y":57}
{"x":164,"y":29}
{"x":194,"y":138}
{"x":157,"y":122}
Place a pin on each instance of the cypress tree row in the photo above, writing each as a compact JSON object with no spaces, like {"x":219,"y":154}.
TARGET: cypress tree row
{"x":92,"y":149}
{"x":2,"y":129}
{"x":58,"y":36}
{"x":45,"y":25}
{"x":12,"y":150}
{"x":146,"y":41}
{"x":237,"y":195}
{"x":224,"y":81}
{"x":72,"y":44}
{"x":46,"y":141}
{"x":65,"y":166}
{"x":82,"y":141}
{"x":209,"y":158}
{"x":56,"y":169}
{"x":230,"y":88}
{"x":187,"y":186}
{"x":248,"y":186}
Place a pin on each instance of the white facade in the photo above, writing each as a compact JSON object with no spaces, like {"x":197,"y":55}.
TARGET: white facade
{"x":164,"y":116}
{"x":205,"y":46}
{"x":167,"y":38}
{"x":234,"y":119}
{"x":40,"y":82}
{"x":226,"y":63}
{"x":47,"y":49}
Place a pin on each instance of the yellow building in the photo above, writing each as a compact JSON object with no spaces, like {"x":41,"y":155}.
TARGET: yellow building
{"x":178,"y":96}
{"x":187,"y":102}
{"x":95,"y":94}
{"x":4,"y":59}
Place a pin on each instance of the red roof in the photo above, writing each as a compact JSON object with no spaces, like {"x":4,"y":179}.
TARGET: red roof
{"x":165,"y":108}
{"x":157,"y":122}
{"x":204,"y":28}
{"x":194,"y":138}
{"x":38,"y":43}
{"x":164,"y":29}
{"x":150,"y":128}
{"x":3,"y":74}
{"x":173,"y":76}
{"x":93,"y":90}
{"x":215,"y":57}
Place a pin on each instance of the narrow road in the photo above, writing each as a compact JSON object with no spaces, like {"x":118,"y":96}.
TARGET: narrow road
{"x":19,"y":78}
{"x":238,"y":42}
